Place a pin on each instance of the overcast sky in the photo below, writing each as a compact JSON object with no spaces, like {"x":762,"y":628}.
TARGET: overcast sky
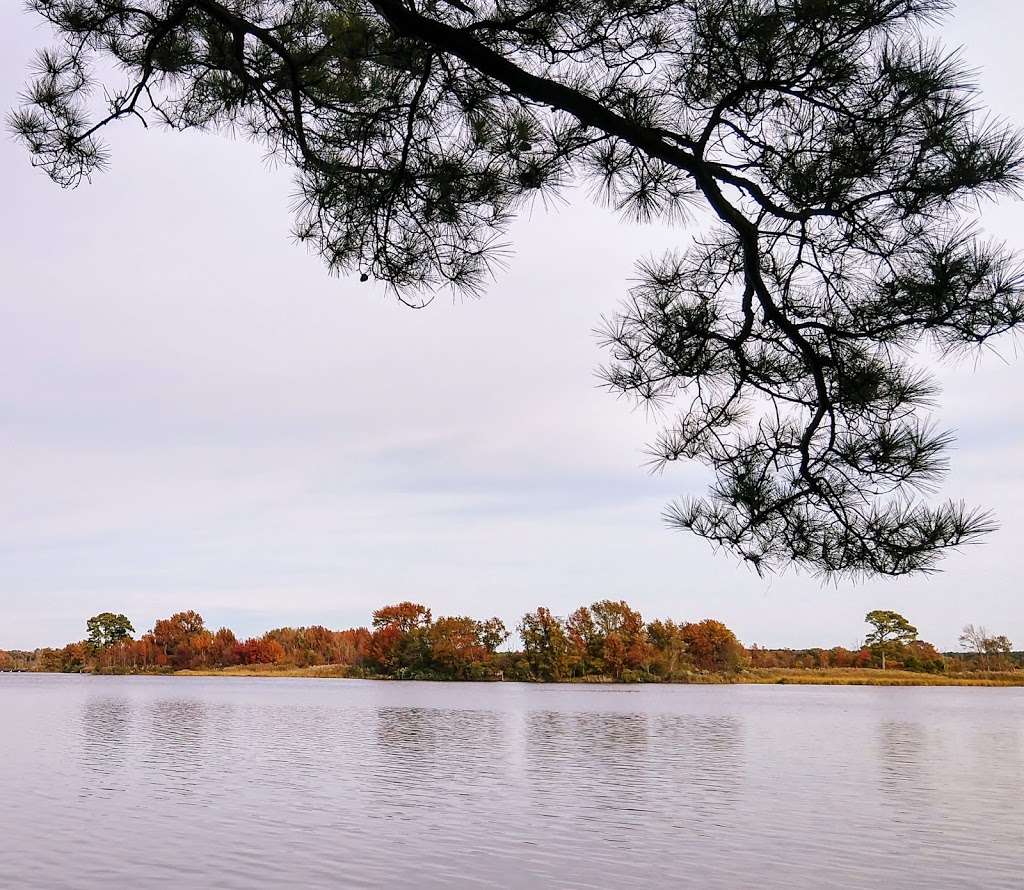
{"x":194,"y":415}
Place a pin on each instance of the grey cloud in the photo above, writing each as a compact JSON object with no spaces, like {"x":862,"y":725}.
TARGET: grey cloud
{"x":192,"y":414}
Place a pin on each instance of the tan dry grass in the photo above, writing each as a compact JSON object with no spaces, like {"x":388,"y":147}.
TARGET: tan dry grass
{"x":874,"y":677}
{"x":333,"y":671}
{"x":800,"y":676}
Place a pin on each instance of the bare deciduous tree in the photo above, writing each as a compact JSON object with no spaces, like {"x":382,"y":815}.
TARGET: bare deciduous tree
{"x":990,"y":649}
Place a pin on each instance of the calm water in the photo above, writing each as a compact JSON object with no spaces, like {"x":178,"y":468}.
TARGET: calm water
{"x":234,"y":783}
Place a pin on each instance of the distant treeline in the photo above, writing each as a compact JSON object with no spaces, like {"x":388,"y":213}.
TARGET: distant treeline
{"x":916,"y":655}
{"x":607,"y":640}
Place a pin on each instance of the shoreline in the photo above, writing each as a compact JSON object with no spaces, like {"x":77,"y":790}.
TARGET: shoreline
{"x":750,"y":677}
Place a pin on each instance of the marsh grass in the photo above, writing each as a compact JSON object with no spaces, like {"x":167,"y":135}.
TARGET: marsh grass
{"x":874,"y":677}
{"x":330,"y":671}
{"x":798,"y":676}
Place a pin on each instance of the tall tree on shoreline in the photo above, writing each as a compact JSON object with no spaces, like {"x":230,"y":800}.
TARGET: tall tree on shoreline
{"x":107,"y":628}
{"x":837,"y":150}
{"x":889,"y":627}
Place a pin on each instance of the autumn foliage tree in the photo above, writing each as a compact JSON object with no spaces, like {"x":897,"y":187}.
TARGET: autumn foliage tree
{"x":711,"y":646}
{"x":406,"y":616}
{"x":182,"y":637}
{"x":623,"y":636}
{"x":586,"y":647}
{"x":670,"y":649}
{"x":315,"y":645}
{"x":400,"y":638}
{"x":455,"y":645}
{"x":492,"y":634}
{"x":609,"y":639}
{"x":921,"y":656}
{"x":265,"y":650}
{"x":545,"y":645}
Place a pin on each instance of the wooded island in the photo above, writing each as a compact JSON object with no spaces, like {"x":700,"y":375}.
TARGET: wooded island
{"x":607,"y":641}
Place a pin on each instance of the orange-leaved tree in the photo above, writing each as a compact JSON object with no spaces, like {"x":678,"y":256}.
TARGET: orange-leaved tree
{"x":712,"y":646}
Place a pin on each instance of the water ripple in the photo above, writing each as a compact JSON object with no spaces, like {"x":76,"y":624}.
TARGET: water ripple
{"x":230,"y":784}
